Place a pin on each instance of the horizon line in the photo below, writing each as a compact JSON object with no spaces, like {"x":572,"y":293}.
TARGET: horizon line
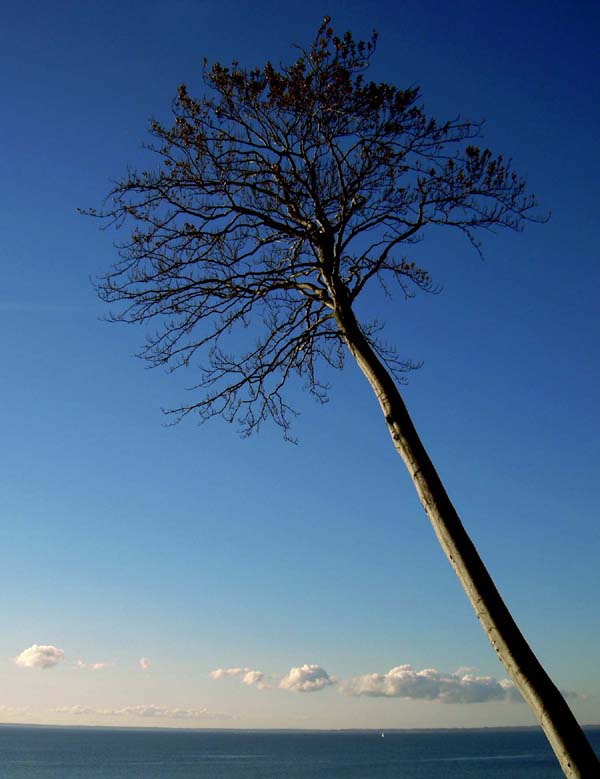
{"x":449,"y":728}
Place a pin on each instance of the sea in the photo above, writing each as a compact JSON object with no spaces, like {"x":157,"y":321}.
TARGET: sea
{"x":31,"y":752}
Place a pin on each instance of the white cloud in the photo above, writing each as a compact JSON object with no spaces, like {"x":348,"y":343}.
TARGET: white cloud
{"x":13,"y":709}
{"x":254,"y":678}
{"x":167,"y":713}
{"x":462,"y":686}
{"x":76,"y":710}
{"x":245,"y":675}
{"x":306,"y":678}
{"x":40,"y":656}
{"x":511,"y":694}
{"x":465,"y":669}
{"x":89,"y":666}
{"x":224,"y":673}
{"x":148,"y":711}
{"x":432,"y":685}
{"x":144,"y":663}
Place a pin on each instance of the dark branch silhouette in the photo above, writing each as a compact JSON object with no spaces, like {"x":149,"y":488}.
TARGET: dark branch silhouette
{"x":267,"y":191}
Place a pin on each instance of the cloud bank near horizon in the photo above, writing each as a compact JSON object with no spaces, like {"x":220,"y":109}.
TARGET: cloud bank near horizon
{"x":147,"y":711}
{"x":13,"y":710}
{"x":403,"y":681}
{"x":430,"y":684}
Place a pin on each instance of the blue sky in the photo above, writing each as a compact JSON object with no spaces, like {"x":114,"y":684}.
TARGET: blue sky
{"x":122,"y":539}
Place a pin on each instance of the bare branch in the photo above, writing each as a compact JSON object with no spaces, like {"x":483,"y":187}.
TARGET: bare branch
{"x":275,"y":199}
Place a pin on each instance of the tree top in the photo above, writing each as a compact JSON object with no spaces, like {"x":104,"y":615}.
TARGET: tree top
{"x":278,"y":195}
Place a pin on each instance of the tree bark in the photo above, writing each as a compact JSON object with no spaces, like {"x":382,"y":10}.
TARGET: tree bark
{"x":573,"y":751}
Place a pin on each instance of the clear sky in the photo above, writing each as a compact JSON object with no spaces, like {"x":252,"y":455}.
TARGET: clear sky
{"x":137,"y":559}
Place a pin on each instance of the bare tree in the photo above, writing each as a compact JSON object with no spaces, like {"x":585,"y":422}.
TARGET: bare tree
{"x":277,"y":199}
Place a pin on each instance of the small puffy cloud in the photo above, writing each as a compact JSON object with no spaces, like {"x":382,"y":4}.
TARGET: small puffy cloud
{"x":432,"y":685}
{"x":147,"y":711}
{"x":144,"y":663}
{"x":306,"y":678}
{"x":247,"y":676}
{"x":465,"y":669}
{"x":253,"y":678}
{"x":224,"y":673}
{"x":40,"y":656}
{"x":89,"y":666}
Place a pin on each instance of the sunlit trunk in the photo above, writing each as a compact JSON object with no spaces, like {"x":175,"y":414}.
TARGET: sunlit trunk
{"x":574,"y":753}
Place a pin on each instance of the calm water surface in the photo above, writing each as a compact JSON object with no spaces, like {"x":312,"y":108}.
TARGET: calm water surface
{"x":64,"y":753}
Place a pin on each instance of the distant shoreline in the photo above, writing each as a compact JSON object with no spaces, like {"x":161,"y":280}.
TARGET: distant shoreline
{"x":163,"y":729}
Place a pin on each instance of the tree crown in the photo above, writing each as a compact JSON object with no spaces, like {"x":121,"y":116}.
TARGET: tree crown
{"x":278,"y":197}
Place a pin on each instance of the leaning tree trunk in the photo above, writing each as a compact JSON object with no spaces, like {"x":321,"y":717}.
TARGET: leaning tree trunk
{"x":574,"y":753}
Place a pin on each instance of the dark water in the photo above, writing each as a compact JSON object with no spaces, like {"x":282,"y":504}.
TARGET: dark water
{"x":64,"y":753}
